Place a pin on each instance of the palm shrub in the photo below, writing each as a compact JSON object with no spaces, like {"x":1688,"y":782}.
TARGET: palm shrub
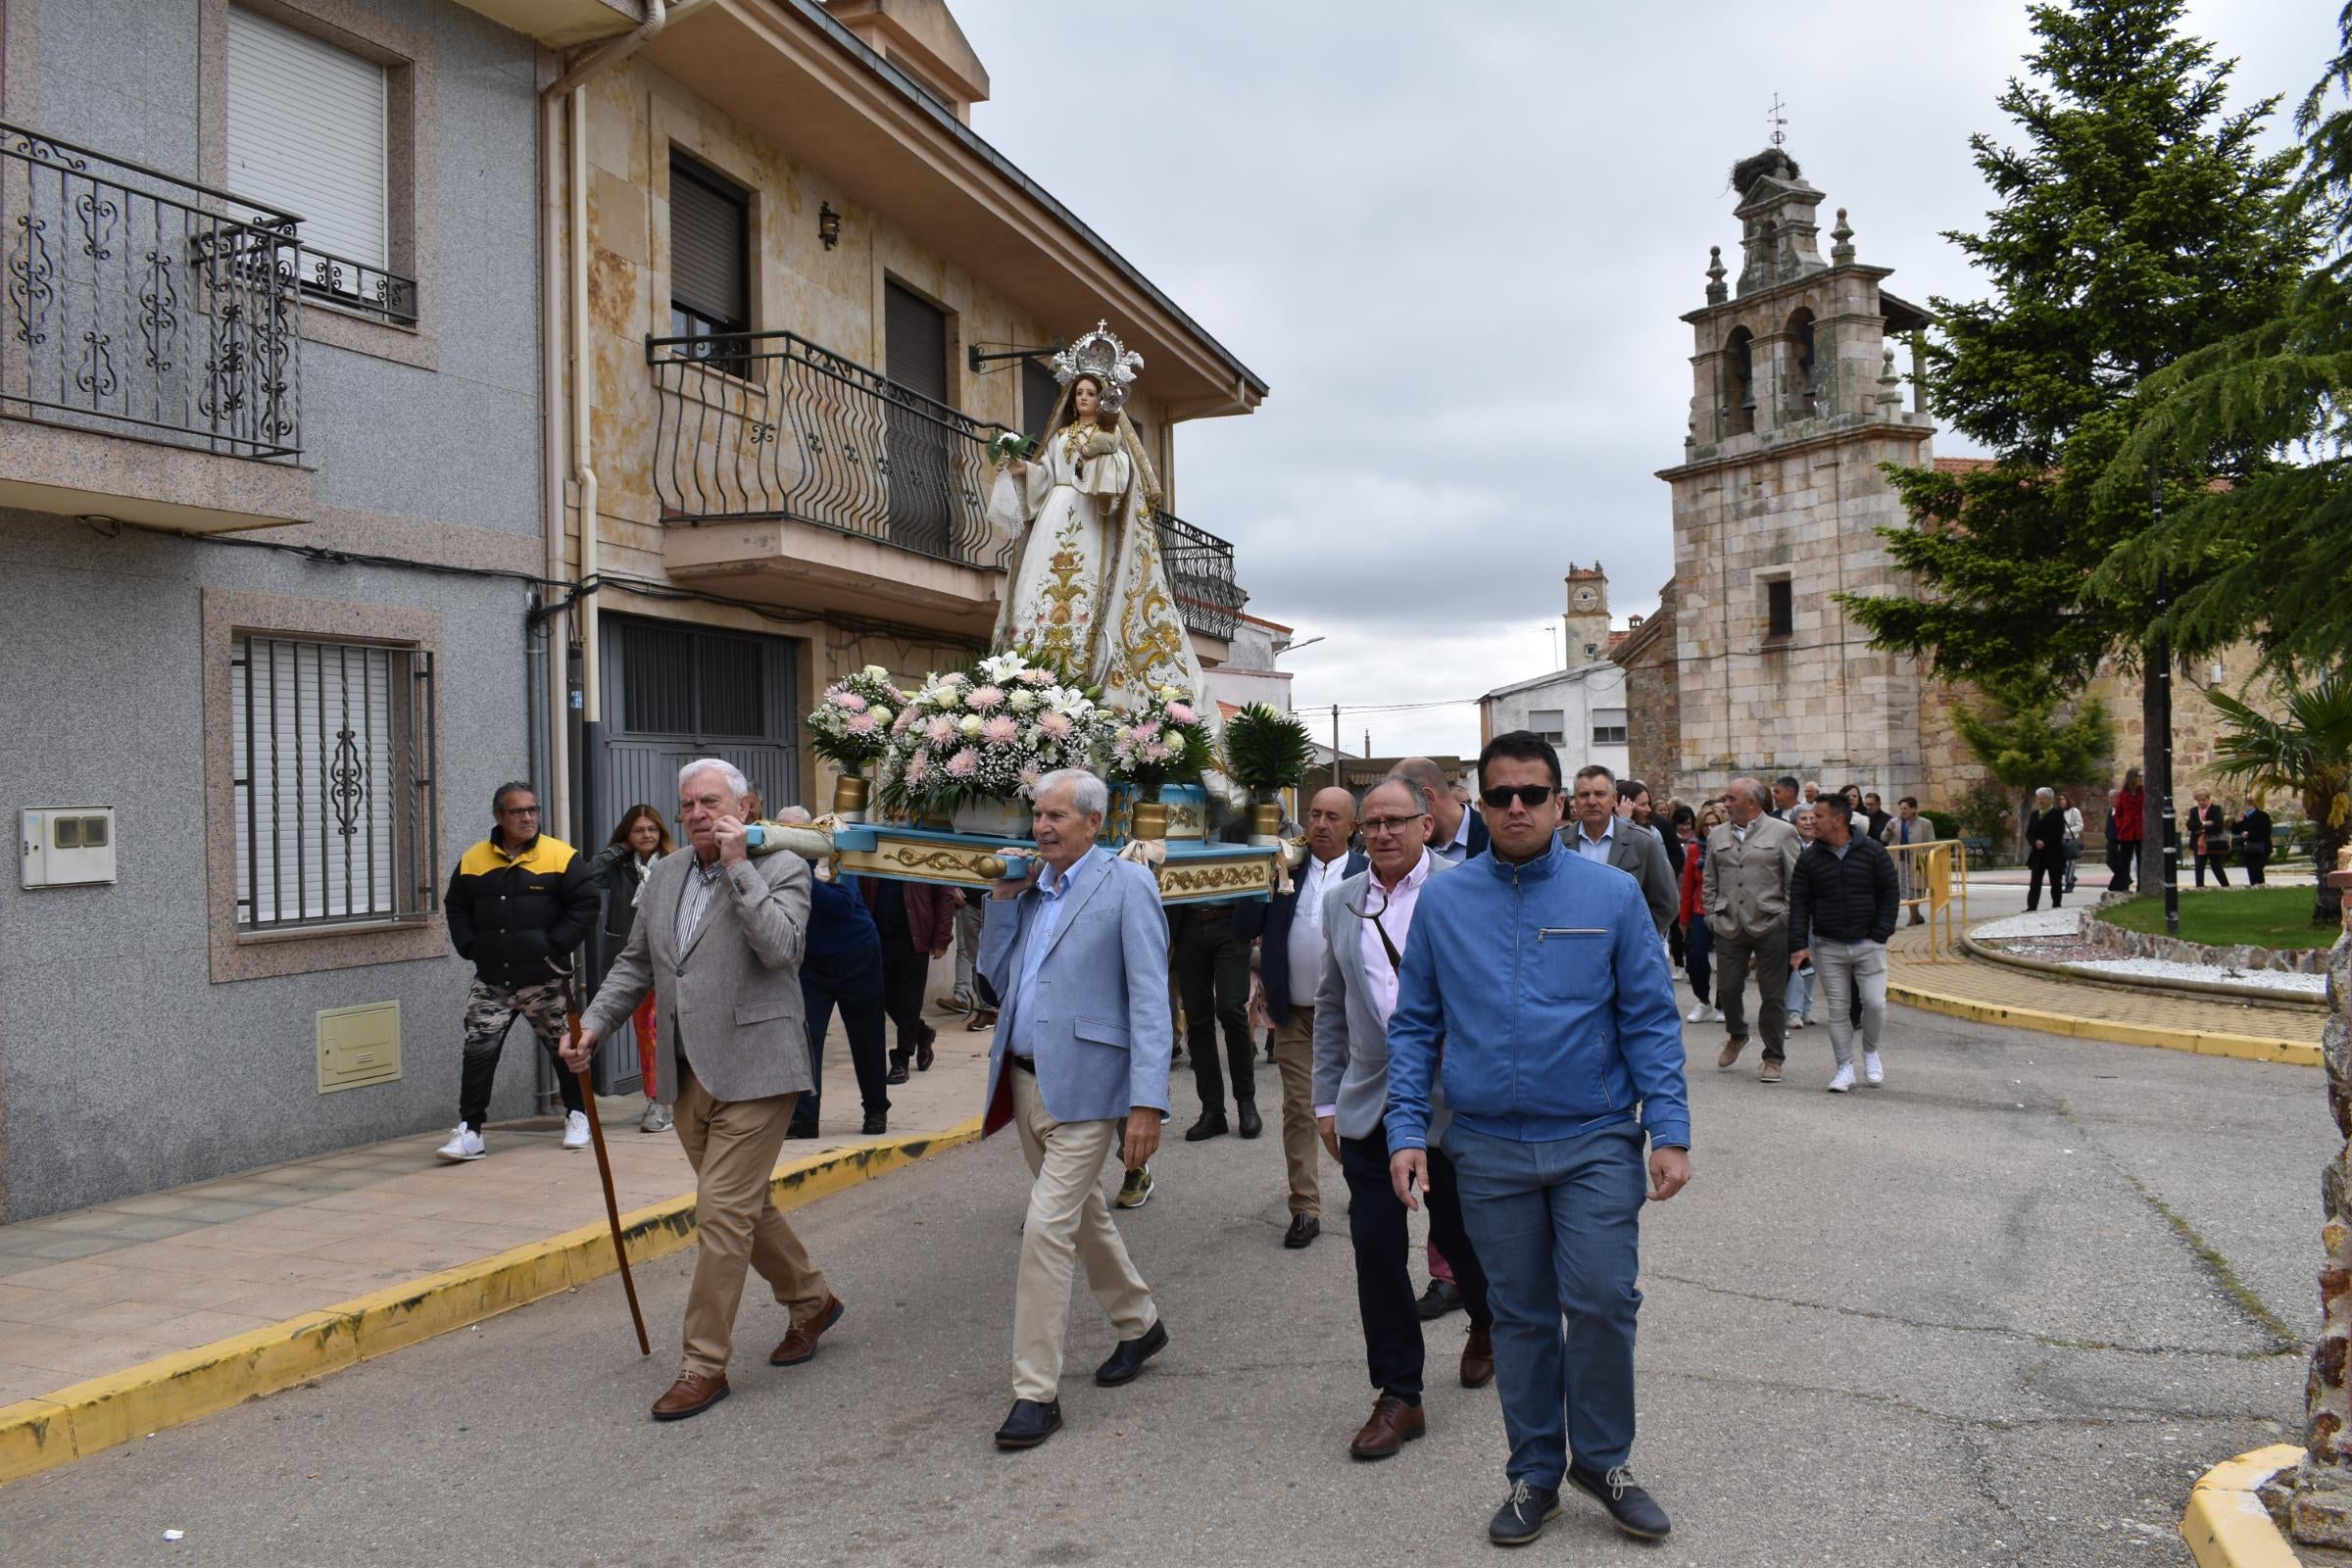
{"x":1267,"y":750}
{"x":2309,"y":750}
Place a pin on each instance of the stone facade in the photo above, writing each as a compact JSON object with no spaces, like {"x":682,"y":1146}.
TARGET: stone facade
{"x":1653,"y":714}
{"x":2320,"y":1511}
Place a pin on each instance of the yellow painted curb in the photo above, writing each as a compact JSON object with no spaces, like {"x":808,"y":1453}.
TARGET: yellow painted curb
{"x":2225,"y":1524}
{"x":38,"y":1433}
{"x":2199,"y":1041}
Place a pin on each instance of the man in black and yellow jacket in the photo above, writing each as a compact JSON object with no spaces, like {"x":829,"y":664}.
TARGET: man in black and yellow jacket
{"x":519,"y":904}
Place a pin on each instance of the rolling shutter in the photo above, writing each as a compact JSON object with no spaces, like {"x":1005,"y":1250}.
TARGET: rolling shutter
{"x":709,"y":242}
{"x":306,"y":133}
{"x":914,"y":341}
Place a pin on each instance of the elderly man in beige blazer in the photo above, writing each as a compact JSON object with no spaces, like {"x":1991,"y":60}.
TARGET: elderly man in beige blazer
{"x":1745,"y":887}
{"x":717,"y":942}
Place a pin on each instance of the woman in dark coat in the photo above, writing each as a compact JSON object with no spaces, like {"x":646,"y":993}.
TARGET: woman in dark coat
{"x":2046,"y":848}
{"x":2254,"y":841}
{"x":2208,"y":834}
{"x":619,"y":872}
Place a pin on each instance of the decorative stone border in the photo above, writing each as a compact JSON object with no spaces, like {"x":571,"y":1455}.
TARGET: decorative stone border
{"x":2124,"y":944}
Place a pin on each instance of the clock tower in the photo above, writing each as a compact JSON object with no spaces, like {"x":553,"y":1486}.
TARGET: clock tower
{"x":1587,"y":622}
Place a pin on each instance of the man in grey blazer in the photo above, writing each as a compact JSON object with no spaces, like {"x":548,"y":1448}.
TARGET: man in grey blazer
{"x":1367,"y":919}
{"x":1599,"y":833}
{"x":717,"y":942}
{"x":1744,"y":890}
{"x":1077,"y":952}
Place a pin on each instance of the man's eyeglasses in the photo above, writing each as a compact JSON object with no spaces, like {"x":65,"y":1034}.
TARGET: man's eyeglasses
{"x":1530,"y":796}
{"x":1389,"y":824}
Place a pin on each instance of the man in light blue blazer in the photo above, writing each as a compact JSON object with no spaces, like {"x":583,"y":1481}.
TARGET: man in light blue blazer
{"x":1078,"y":951}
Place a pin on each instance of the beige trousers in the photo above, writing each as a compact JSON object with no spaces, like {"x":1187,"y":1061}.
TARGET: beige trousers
{"x":732,"y":1146}
{"x":1295,"y":1060}
{"x":1068,"y":1221}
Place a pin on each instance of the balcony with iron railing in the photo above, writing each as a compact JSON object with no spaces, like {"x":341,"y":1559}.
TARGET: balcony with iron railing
{"x":770,"y":428}
{"x":151,"y":309}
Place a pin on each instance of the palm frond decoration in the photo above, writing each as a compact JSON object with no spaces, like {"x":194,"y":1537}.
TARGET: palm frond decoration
{"x":1267,"y":750}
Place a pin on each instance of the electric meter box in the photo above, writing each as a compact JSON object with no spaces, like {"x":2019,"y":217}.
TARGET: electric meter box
{"x":65,"y":846}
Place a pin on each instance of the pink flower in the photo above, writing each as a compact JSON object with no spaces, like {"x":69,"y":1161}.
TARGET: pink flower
{"x":1155,"y":753}
{"x":1000,"y":730}
{"x":1029,"y":777}
{"x":1182,"y":714}
{"x":898,"y":725}
{"x":1036,"y":677}
{"x":917,"y":766}
{"x":849,"y":702}
{"x":861,"y":724}
{"x":964,"y":763}
{"x":940,"y":731}
{"x":982,"y":698}
{"x":1055,"y":724}
{"x":1149,"y":728}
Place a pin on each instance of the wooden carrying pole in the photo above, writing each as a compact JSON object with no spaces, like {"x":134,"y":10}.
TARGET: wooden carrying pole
{"x":603,"y":1170}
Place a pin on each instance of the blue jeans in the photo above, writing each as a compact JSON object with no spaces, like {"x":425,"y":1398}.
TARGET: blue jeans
{"x":1559,"y":1228}
{"x":1800,"y":995}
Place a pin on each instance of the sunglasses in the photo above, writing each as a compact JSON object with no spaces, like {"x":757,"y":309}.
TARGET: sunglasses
{"x":1530,"y":796}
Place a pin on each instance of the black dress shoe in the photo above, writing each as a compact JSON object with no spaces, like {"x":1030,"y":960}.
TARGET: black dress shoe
{"x":1029,"y":1424}
{"x":1128,"y":1360}
{"x":876,"y":1123}
{"x":1210,"y":1125}
{"x":1442,"y":1297}
{"x":1304,"y":1228}
{"x":800,"y":1129}
{"x":1251,"y":1124}
{"x":1633,"y":1510}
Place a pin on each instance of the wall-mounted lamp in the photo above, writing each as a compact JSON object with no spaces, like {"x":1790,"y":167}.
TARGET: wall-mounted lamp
{"x":828,"y":224}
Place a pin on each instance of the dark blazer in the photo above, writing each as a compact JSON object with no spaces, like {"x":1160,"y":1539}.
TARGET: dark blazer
{"x":1271,"y":924}
{"x":1480,"y":838}
{"x":1851,"y":898}
{"x":1635,"y":851}
{"x":2048,"y":830}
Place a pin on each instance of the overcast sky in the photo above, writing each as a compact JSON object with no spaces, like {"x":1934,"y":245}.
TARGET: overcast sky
{"x":1456,"y":238}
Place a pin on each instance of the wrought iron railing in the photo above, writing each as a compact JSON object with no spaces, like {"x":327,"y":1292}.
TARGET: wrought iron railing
{"x":145,"y":304}
{"x":357,"y":286}
{"x":768,"y":425}
{"x":1200,"y":571}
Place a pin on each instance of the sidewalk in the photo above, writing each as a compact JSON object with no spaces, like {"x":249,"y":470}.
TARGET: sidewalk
{"x":1966,"y":986}
{"x":137,"y":1294}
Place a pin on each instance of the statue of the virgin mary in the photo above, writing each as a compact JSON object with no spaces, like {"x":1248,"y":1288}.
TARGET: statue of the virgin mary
{"x":1088,"y":588}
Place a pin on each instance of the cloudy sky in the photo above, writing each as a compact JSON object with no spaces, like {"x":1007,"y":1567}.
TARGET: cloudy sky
{"x":1456,"y":237}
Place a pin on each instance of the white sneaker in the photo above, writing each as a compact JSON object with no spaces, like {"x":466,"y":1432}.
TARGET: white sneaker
{"x":1797,"y":1022}
{"x":464,"y":1144}
{"x":575,"y":1129}
{"x":1697,"y":1014}
{"x":1874,"y":1071}
{"x":1842,"y":1079}
{"x":1714,"y":1016}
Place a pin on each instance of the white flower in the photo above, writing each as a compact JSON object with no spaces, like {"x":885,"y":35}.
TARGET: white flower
{"x":1004,"y":666}
{"x":945,"y":697}
{"x":1022,"y":699}
{"x":1169,"y":694}
{"x":1174,"y":740}
{"x":970,"y":724}
{"x":877,"y":671}
{"x":882,"y":715}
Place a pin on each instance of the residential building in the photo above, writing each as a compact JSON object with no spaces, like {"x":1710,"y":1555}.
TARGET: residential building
{"x":799,"y":297}
{"x":271,"y":530}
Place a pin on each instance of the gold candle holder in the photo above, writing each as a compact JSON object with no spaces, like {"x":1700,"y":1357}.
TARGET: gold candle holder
{"x":851,"y":792}
{"x":1150,"y":820}
{"x":1265,"y":819}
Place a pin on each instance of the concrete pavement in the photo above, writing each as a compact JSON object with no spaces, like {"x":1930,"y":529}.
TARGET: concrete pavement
{"x":2005,"y":1310}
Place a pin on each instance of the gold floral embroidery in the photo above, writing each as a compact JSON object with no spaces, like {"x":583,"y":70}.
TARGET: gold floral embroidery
{"x":1151,"y":649}
{"x":1063,"y":609}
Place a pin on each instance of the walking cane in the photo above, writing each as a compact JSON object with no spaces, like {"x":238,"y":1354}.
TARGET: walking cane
{"x":604,"y":1169}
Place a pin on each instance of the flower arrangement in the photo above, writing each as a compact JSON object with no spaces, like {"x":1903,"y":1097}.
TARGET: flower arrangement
{"x":986,"y":733}
{"x":1162,"y":743}
{"x":852,"y":726}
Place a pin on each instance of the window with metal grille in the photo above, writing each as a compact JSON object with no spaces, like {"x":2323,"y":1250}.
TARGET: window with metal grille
{"x":334,"y":781}
{"x":1608,"y":726}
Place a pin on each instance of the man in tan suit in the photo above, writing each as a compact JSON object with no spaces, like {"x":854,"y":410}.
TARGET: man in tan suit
{"x":1745,"y":886}
{"x":717,"y":941}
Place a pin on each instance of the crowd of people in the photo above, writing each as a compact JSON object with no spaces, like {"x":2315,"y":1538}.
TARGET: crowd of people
{"x":1470,"y":1003}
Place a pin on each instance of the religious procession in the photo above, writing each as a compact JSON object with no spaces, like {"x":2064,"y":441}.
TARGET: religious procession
{"x":719,"y":460}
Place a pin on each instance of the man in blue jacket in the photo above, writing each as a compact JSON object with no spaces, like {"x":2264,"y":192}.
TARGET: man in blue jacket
{"x":1534,"y":982}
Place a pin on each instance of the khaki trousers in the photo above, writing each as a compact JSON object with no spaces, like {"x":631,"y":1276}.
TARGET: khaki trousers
{"x":732,"y":1145}
{"x":1068,"y":1221}
{"x":1295,"y":1060}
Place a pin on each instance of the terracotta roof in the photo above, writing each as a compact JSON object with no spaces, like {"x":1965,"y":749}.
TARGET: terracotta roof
{"x":1963,"y":464}
{"x":1616,"y":638}
{"x":1260,"y":620}
{"x":1226,"y":710}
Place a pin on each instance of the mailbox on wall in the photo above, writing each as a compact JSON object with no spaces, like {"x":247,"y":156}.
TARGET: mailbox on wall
{"x":65,"y":846}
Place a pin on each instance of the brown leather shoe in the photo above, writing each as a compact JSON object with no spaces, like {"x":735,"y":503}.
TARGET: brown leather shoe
{"x":692,"y":1394}
{"x":1731,"y":1051}
{"x":1477,"y":1357}
{"x":1392,"y":1425}
{"x":1770,"y":1072}
{"x":801,"y":1344}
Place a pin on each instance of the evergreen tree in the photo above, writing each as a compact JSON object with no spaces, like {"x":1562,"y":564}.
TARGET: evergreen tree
{"x":2136,"y":222}
{"x":2266,"y":552}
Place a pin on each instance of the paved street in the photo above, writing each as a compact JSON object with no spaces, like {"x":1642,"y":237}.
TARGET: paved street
{"x":2003,"y":1312}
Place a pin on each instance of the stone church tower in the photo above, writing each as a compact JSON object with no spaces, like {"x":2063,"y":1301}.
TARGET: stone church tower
{"x":1584,"y":623}
{"x":1796,"y":402}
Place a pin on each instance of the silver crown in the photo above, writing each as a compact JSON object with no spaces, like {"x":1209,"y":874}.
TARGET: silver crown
{"x":1109,"y":362}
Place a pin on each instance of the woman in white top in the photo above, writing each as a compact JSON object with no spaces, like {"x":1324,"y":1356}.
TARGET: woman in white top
{"x":2074,"y":835}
